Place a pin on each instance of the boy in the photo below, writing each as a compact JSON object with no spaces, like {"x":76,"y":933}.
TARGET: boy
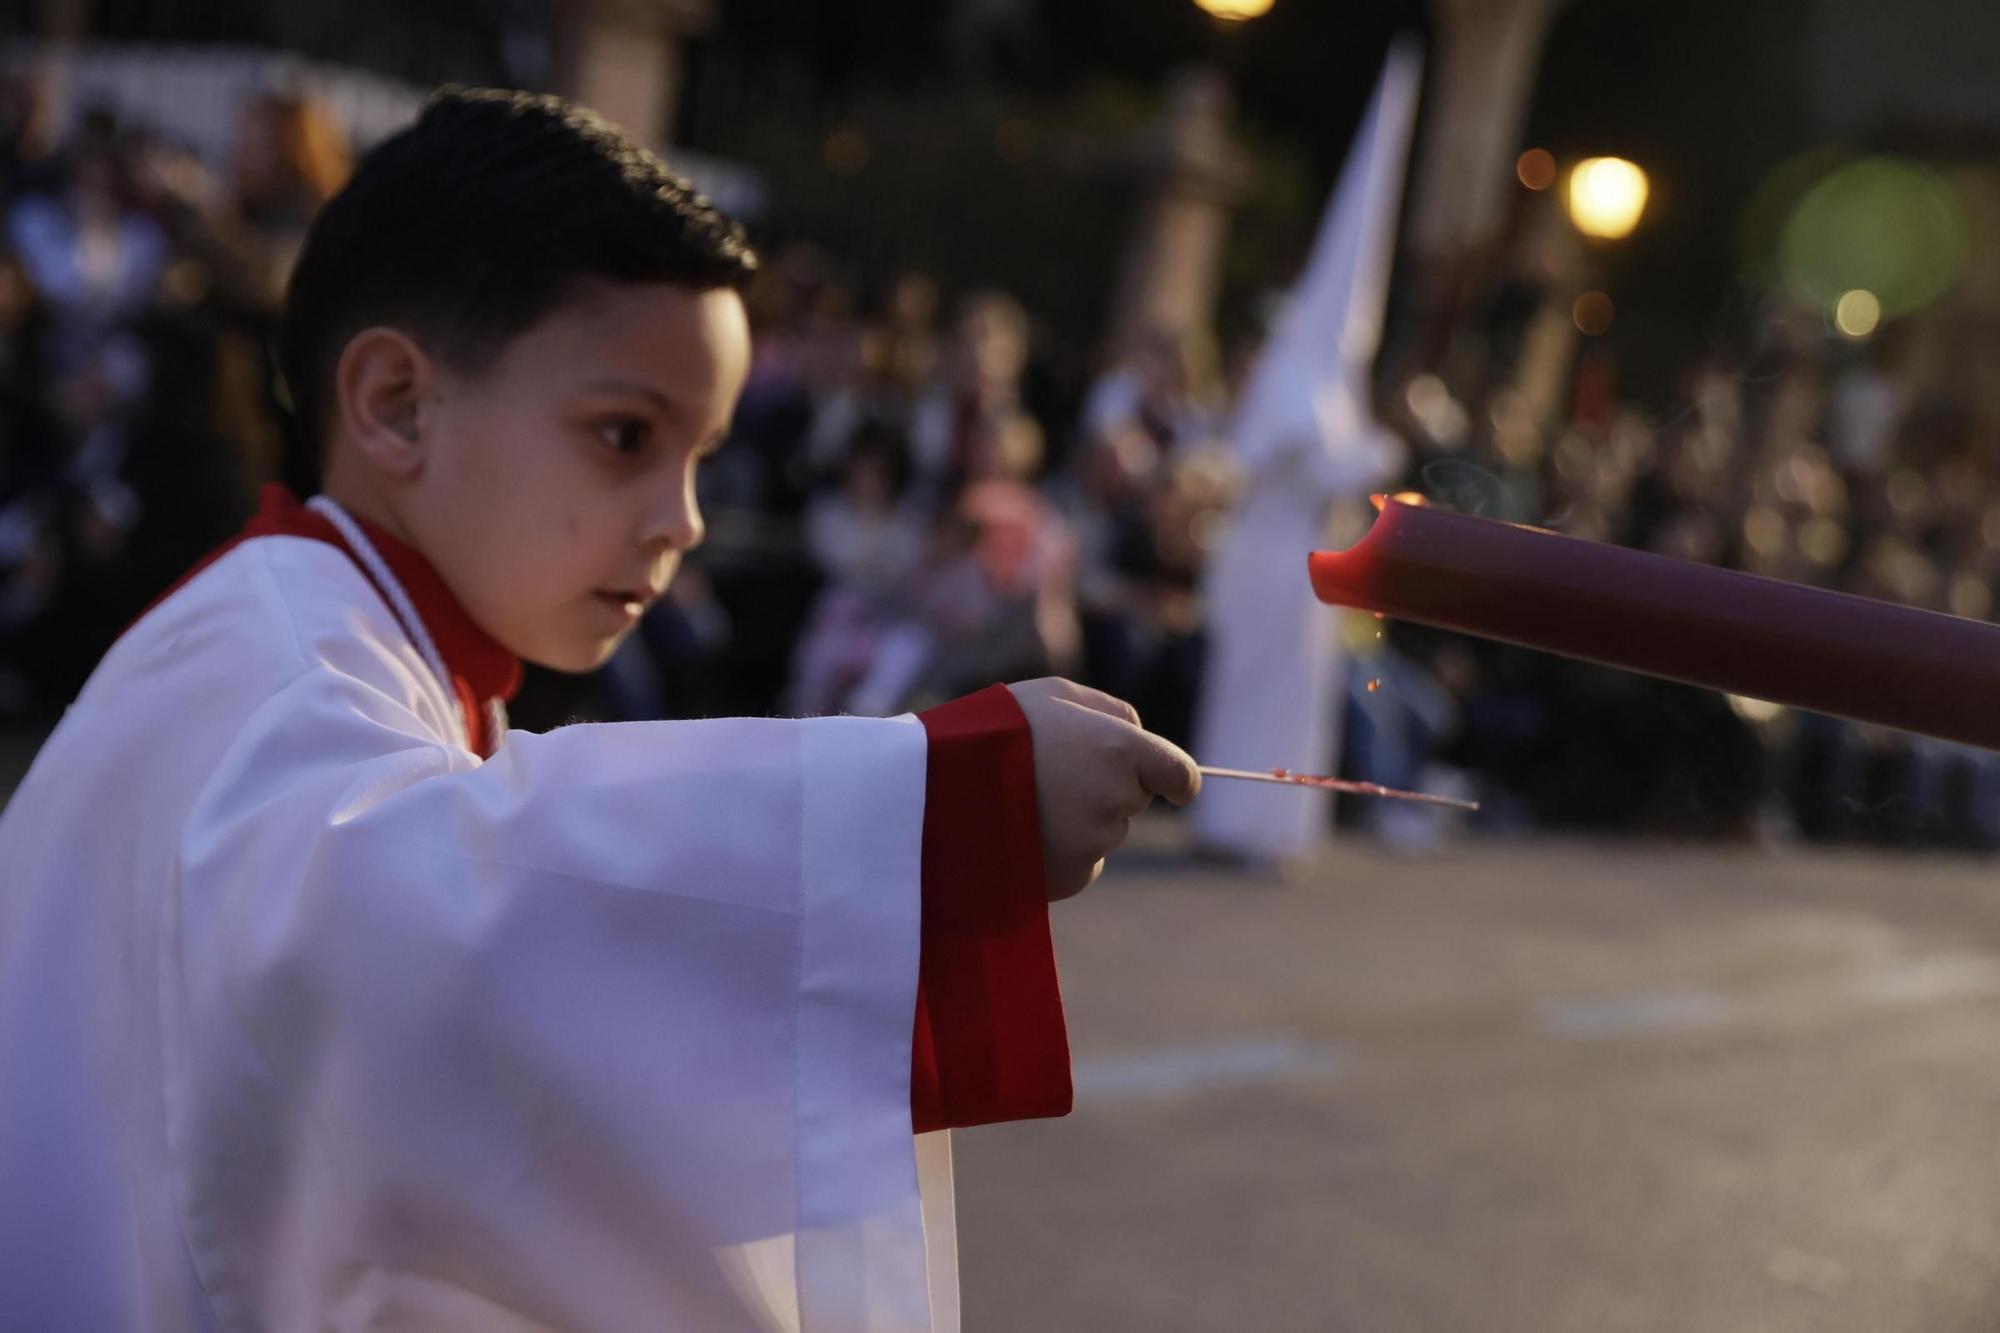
{"x":325,"y":1002}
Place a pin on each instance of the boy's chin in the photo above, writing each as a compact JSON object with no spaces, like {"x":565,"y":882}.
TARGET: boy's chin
{"x":575,"y":657}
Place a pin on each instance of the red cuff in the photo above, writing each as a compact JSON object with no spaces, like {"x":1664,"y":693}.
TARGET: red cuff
{"x":990,"y":1042}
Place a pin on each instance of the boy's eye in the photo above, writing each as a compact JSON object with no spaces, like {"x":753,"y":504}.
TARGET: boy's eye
{"x":627,"y":435}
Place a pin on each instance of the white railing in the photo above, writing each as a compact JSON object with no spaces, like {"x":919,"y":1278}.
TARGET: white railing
{"x":193,"y":95}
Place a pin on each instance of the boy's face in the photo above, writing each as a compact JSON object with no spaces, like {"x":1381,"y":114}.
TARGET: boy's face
{"x":557,"y":490}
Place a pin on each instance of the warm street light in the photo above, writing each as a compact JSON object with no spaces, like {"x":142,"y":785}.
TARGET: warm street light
{"x":1606,"y":197}
{"x":1857,"y":313}
{"x":1235,"y":11}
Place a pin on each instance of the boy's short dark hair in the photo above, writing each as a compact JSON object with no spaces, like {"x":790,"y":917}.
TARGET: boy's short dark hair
{"x":471,"y":224}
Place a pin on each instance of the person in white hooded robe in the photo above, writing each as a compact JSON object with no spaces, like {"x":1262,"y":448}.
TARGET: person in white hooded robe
{"x":328,"y":1002}
{"x":1304,"y":439}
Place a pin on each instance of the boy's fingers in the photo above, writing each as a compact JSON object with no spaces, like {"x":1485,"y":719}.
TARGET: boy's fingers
{"x":1167,"y":770}
{"x":1074,"y":880}
{"x":1097,"y":701}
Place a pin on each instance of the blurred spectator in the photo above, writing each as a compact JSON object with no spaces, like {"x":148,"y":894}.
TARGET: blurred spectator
{"x":94,"y":258}
{"x":290,"y":157}
{"x":767,"y":470}
{"x":240,"y":237}
{"x":143,"y":505}
{"x":1868,"y":403}
{"x":870,"y":542}
{"x":1163,"y":395}
{"x":31,"y":459}
{"x":997,"y":602}
{"x":972,"y":423}
{"x":1139,"y":589}
{"x":892,"y":357}
{"x":27,"y":138}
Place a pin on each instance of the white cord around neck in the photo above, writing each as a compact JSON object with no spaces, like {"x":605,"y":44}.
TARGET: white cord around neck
{"x":399,"y":602}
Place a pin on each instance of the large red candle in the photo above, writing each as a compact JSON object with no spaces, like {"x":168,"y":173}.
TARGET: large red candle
{"x":1790,"y":644}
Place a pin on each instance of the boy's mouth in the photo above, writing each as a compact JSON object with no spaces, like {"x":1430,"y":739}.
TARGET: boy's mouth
{"x":631,"y":602}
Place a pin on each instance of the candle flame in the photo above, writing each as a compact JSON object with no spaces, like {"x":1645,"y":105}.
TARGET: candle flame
{"x":1381,"y":498}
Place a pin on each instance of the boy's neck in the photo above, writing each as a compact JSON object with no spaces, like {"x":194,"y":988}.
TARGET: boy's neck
{"x":468,"y":646}
{"x":365,"y":501}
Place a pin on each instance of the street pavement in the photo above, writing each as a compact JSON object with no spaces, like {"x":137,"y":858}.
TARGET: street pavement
{"x":1544,"y":1086}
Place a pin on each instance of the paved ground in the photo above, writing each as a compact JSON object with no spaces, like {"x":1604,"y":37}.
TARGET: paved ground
{"x":1538,"y":1087}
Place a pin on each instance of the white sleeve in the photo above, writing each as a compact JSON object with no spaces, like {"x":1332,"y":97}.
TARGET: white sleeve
{"x":610,"y":1032}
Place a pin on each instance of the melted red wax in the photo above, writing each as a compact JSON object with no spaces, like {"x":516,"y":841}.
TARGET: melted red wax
{"x":1336,"y":784}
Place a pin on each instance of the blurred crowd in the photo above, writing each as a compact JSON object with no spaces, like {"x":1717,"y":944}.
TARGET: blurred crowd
{"x":1802,"y":456}
{"x":923,"y":495}
{"x":138,"y":292}
{"x":915,"y":503}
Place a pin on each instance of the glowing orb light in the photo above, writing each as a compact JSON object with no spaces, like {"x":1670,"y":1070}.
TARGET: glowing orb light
{"x":1236,"y":11}
{"x":1606,"y":197}
{"x":1878,"y":229}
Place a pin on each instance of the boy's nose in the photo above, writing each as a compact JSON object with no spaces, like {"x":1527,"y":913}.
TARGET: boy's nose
{"x":676,"y":521}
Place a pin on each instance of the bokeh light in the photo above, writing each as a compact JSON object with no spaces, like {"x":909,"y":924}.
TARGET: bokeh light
{"x":1891,"y":228}
{"x":1969,"y":597}
{"x":1436,"y":412}
{"x":1857,"y":313}
{"x":1593,"y":313}
{"x":1013,"y":140}
{"x":1607,"y":195}
{"x":1536,"y":168}
{"x":847,"y":150}
{"x":1765,"y":531}
{"x":1235,"y":11}
{"x":1823,"y":541}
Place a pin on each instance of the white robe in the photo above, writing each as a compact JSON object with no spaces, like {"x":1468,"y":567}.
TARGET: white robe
{"x":1268,"y":683}
{"x":1304,"y":438}
{"x":310,"y":1019}
{"x":1271,"y":682}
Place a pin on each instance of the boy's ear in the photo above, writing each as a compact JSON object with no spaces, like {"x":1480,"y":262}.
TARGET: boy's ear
{"x":379,"y":384}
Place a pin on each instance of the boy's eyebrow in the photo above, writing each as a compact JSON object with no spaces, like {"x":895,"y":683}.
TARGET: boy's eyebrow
{"x":660,"y":400}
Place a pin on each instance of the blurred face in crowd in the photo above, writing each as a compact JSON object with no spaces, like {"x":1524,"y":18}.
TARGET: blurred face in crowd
{"x":93,"y":187}
{"x":993,"y":337}
{"x":1161,"y":368}
{"x":260,"y":151}
{"x":17,"y":295}
{"x":554,"y":489}
{"x":286,"y":146}
{"x":913,"y":302}
{"x":870,"y":487}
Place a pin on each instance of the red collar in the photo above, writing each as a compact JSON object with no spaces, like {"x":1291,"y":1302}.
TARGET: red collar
{"x":482,"y":669}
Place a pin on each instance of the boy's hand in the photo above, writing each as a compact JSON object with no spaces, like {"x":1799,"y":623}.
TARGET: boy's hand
{"x":1094,"y":769}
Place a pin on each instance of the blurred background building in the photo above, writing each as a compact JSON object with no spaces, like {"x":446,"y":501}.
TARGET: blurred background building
{"x":1018,"y":255}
